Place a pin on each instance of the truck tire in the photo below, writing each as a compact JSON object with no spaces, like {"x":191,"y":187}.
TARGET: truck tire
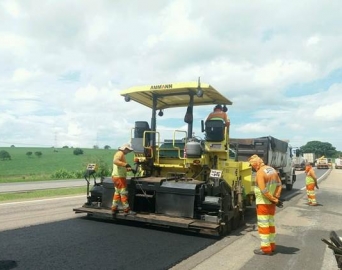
{"x":287,"y":180}
{"x":289,"y":187}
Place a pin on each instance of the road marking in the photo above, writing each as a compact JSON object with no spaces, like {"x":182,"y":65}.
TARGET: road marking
{"x":41,"y":200}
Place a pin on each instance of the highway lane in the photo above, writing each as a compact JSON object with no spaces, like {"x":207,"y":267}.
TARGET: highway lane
{"x":39,"y":185}
{"x":46,"y":234}
{"x":300,"y":229}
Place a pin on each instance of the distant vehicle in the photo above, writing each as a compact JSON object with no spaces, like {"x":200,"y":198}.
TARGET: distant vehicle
{"x":310,"y":157}
{"x":298,"y":163}
{"x":322,"y":163}
{"x":338,"y":163}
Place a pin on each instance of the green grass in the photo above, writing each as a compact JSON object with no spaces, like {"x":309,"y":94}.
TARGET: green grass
{"x":48,"y":193}
{"x":22,"y":168}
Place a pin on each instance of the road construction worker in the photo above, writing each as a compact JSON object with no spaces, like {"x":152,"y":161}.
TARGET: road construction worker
{"x":267,"y":191}
{"x":219,"y":114}
{"x":311,"y":184}
{"x":120,"y":169}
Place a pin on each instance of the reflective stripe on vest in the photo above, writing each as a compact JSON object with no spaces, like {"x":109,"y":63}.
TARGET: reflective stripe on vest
{"x":216,"y":118}
{"x":270,"y":187}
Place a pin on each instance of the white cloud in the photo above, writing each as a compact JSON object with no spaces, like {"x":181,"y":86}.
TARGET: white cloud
{"x":21,"y":75}
{"x":281,"y":72}
{"x":64,"y":64}
{"x":11,"y":41}
{"x":313,"y":40}
{"x":11,"y":7}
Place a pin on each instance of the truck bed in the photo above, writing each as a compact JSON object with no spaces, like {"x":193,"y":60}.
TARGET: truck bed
{"x":261,"y":147}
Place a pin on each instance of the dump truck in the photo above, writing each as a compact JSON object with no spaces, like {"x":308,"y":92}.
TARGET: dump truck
{"x":338,"y":163}
{"x":298,"y":163}
{"x":180,"y":181}
{"x":274,"y":152}
{"x":310,"y":158}
{"x":322,"y":163}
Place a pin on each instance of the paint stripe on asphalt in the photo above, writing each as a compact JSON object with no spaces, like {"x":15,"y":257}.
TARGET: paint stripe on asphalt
{"x":42,"y":200}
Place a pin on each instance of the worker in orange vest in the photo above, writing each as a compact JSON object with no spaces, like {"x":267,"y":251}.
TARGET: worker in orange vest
{"x":311,"y":184}
{"x":219,"y":114}
{"x":267,"y":191}
{"x":120,"y":169}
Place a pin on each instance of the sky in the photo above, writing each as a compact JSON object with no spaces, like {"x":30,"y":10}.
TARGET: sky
{"x":63,"y":64}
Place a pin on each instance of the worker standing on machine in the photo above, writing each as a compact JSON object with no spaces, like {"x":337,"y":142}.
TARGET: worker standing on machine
{"x":120,"y":168}
{"x":267,"y":193}
{"x":311,"y":184}
{"x":219,"y":114}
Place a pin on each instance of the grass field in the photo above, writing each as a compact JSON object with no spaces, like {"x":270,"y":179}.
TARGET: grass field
{"x":59,"y":164}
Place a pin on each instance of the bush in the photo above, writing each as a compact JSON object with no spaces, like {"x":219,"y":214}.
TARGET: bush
{"x":38,"y":154}
{"x":79,"y":174}
{"x":29,"y":154}
{"x":104,"y":169}
{"x":78,"y":151}
{"x":62,"y":174}
{"x":5,"y":155}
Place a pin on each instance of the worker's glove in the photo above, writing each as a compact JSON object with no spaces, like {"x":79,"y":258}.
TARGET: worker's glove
{"x":279,"y":204}
{"x":128,"y":167}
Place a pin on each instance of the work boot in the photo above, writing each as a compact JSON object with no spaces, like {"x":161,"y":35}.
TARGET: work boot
{"x":115,"y":210}
{"x":129,"y":212}
{"x":260,"y":252}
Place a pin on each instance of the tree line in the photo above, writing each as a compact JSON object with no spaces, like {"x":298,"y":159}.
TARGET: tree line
{"x":320,"y":149}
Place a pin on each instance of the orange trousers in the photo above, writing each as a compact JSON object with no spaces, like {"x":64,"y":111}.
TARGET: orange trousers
{"x":310,"y":192}
{"x":266,"y":226}
{"x":120,"y":193}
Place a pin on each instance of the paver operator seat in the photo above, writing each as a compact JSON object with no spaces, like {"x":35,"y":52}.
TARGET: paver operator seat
{"x":214,"y":130}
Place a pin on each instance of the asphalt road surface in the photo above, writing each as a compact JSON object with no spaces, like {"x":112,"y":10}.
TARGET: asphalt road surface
{"x":299,"y":227}
{"x":46,"y":234}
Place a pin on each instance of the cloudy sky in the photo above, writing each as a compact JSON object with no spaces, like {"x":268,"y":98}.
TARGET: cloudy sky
{"x":63,"y":64}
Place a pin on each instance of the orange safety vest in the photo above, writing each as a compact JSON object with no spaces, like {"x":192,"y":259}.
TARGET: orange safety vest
{"x":119,"y":171}
{"x":271,"y":178}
